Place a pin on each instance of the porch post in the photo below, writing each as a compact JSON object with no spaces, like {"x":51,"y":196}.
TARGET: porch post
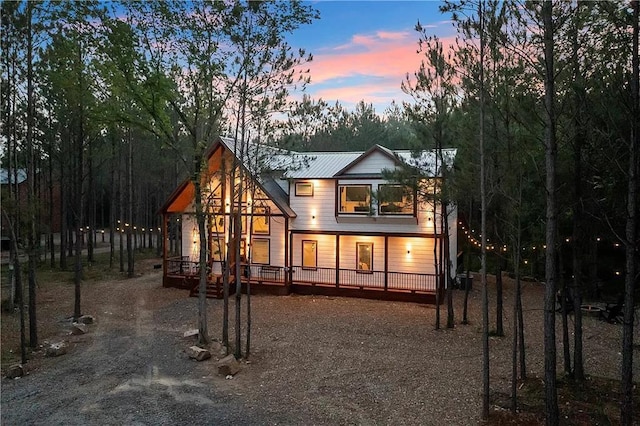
{"x":386,"y":262}
{"x":290,"y":273}
{"x":337,"y":260}
{"x":287,"y":279}
{"x":164,"y":244}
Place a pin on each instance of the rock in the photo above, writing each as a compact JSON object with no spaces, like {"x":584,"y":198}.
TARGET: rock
{"x":190,"y":333}
{"x":218,"y":348}
{"x":15,"y":371}
{"x":56,"y":349}
{"x":86,"y":319}
{"x":78,"y":328}
{"x":228,"y":366}
{"x":198,"y":353}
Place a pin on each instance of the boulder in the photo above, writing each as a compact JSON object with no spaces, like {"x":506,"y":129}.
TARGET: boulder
{"x":198,"y":353}
{"x":56,"y":349}
{"x":15,"y":371}
{"x":86,"y":319}
{"x":228,"y":366}
{"x":78,"y":328}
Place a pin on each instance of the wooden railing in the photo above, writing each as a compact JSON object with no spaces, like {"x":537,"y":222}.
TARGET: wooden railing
{"x":181,"y":265}
{"x":375,"y":279}
{"x":402,"y":281}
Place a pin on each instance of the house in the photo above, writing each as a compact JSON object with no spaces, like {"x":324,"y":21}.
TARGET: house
{"x":316,"y":223}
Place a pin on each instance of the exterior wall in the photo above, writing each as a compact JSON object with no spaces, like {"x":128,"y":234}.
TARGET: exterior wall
{"x":326,"y":249}
{"x":373,"y":164}
{"x":276,"y":237}
{"x":322,"y":205}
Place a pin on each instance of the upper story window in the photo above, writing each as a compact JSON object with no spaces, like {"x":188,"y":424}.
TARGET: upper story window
{"x":304,"y":189}
{"x":261,"y":220}
{"x":395,"y":199}
{"x":354,"y":199}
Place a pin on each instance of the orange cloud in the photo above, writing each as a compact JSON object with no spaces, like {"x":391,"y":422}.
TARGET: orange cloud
{"x":370,"y":67}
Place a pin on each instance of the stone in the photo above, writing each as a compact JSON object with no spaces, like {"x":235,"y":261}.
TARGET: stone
{"x":218,"y":348}
{"x":56,"y":349}
{"x":190,"y":333}
{"x":228,"y":366}
{"x":86,"y":319}
{"x":78,"y":328}
{"x":15,"y":371}
{"x":198,"y":353}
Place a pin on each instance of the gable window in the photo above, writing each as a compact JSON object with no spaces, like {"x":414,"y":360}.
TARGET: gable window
{"x":261,"y":220}
{"x":364,"y":256}
{"x":395,"y":200}
{"x":260,"y":251}
{"x":309,"y":254}
{"x":354,"y":199}
{"x":304,"y":189}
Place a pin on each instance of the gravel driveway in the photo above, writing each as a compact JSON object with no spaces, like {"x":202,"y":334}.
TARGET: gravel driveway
{"x":315,"y":360}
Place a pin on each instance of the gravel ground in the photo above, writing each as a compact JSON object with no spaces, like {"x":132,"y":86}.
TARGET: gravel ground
{"x":315,"y":360}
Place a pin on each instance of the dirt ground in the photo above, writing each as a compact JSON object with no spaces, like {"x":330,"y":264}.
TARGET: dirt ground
{"x":314,"y":360}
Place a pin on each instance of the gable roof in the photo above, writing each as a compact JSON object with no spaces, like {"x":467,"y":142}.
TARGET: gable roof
{"x":184,"y":194}
{"x":329,"y":165}
{"x":376,"y":148}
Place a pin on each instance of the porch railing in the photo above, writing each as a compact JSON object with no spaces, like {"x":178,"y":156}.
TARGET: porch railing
{"x":181,"y":265}
{"x":375,"y":279}
{"x":403,"y":281}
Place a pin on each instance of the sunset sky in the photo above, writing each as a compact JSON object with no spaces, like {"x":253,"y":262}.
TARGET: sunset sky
{"x":362,"y":50}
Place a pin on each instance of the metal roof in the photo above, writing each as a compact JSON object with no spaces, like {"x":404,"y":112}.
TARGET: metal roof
{"x":325,"y":165}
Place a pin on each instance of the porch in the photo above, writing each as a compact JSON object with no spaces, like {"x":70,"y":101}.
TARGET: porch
{"x":399,"y":286}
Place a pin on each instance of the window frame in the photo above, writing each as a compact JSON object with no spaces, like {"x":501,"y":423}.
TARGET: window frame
{"x":304,"y":193}
{"x":412,"y":203}
{"x":253,"y":251}
{"x":359,"y":269}
{"x":266,"y":216}
{"x":339,"y":199}
{"x":315,"y":251}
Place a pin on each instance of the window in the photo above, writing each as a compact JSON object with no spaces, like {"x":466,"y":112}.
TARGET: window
{"x":395,"y":199}
{"x":304,"y":189}
{"x":216,"y":222}
{"x":261,"y":220}
{"x":309,"y":254}
{"x":354,"y":199}
{"x":260,"y":251}
{"x":364,"y":255}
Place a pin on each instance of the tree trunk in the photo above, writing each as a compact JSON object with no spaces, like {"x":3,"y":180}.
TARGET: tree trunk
{"x":631,"y":235}
{"x":551,"y":396}
{"x":129,"y":224}
{"x":483,"y":230}
{"x":33,"y":237}
{"x":499,"y":322}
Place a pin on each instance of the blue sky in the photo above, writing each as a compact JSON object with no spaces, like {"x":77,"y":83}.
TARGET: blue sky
{"x":364,"y":49}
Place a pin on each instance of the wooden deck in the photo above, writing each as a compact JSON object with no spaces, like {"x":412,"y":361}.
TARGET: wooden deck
{"x":269,"y":279}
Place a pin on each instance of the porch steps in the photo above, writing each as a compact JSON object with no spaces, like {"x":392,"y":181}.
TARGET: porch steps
{"x":214,"y":288}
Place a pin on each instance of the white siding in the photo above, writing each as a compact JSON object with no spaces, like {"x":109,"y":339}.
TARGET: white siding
{"x":419,"y":260}
{"x":372,"y":164}
{"x":323,"y":206}
{"x":326,"y":249}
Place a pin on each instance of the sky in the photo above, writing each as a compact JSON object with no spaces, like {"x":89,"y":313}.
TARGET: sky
{"x":363,"y":50}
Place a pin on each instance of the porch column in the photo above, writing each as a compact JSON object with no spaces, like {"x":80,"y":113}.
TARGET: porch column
{"x":290,"y":255}
{"x":287,"y":277}
{"x":164,"y":244}
{"x":337,"y":260}
{"x":386,"y":262}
